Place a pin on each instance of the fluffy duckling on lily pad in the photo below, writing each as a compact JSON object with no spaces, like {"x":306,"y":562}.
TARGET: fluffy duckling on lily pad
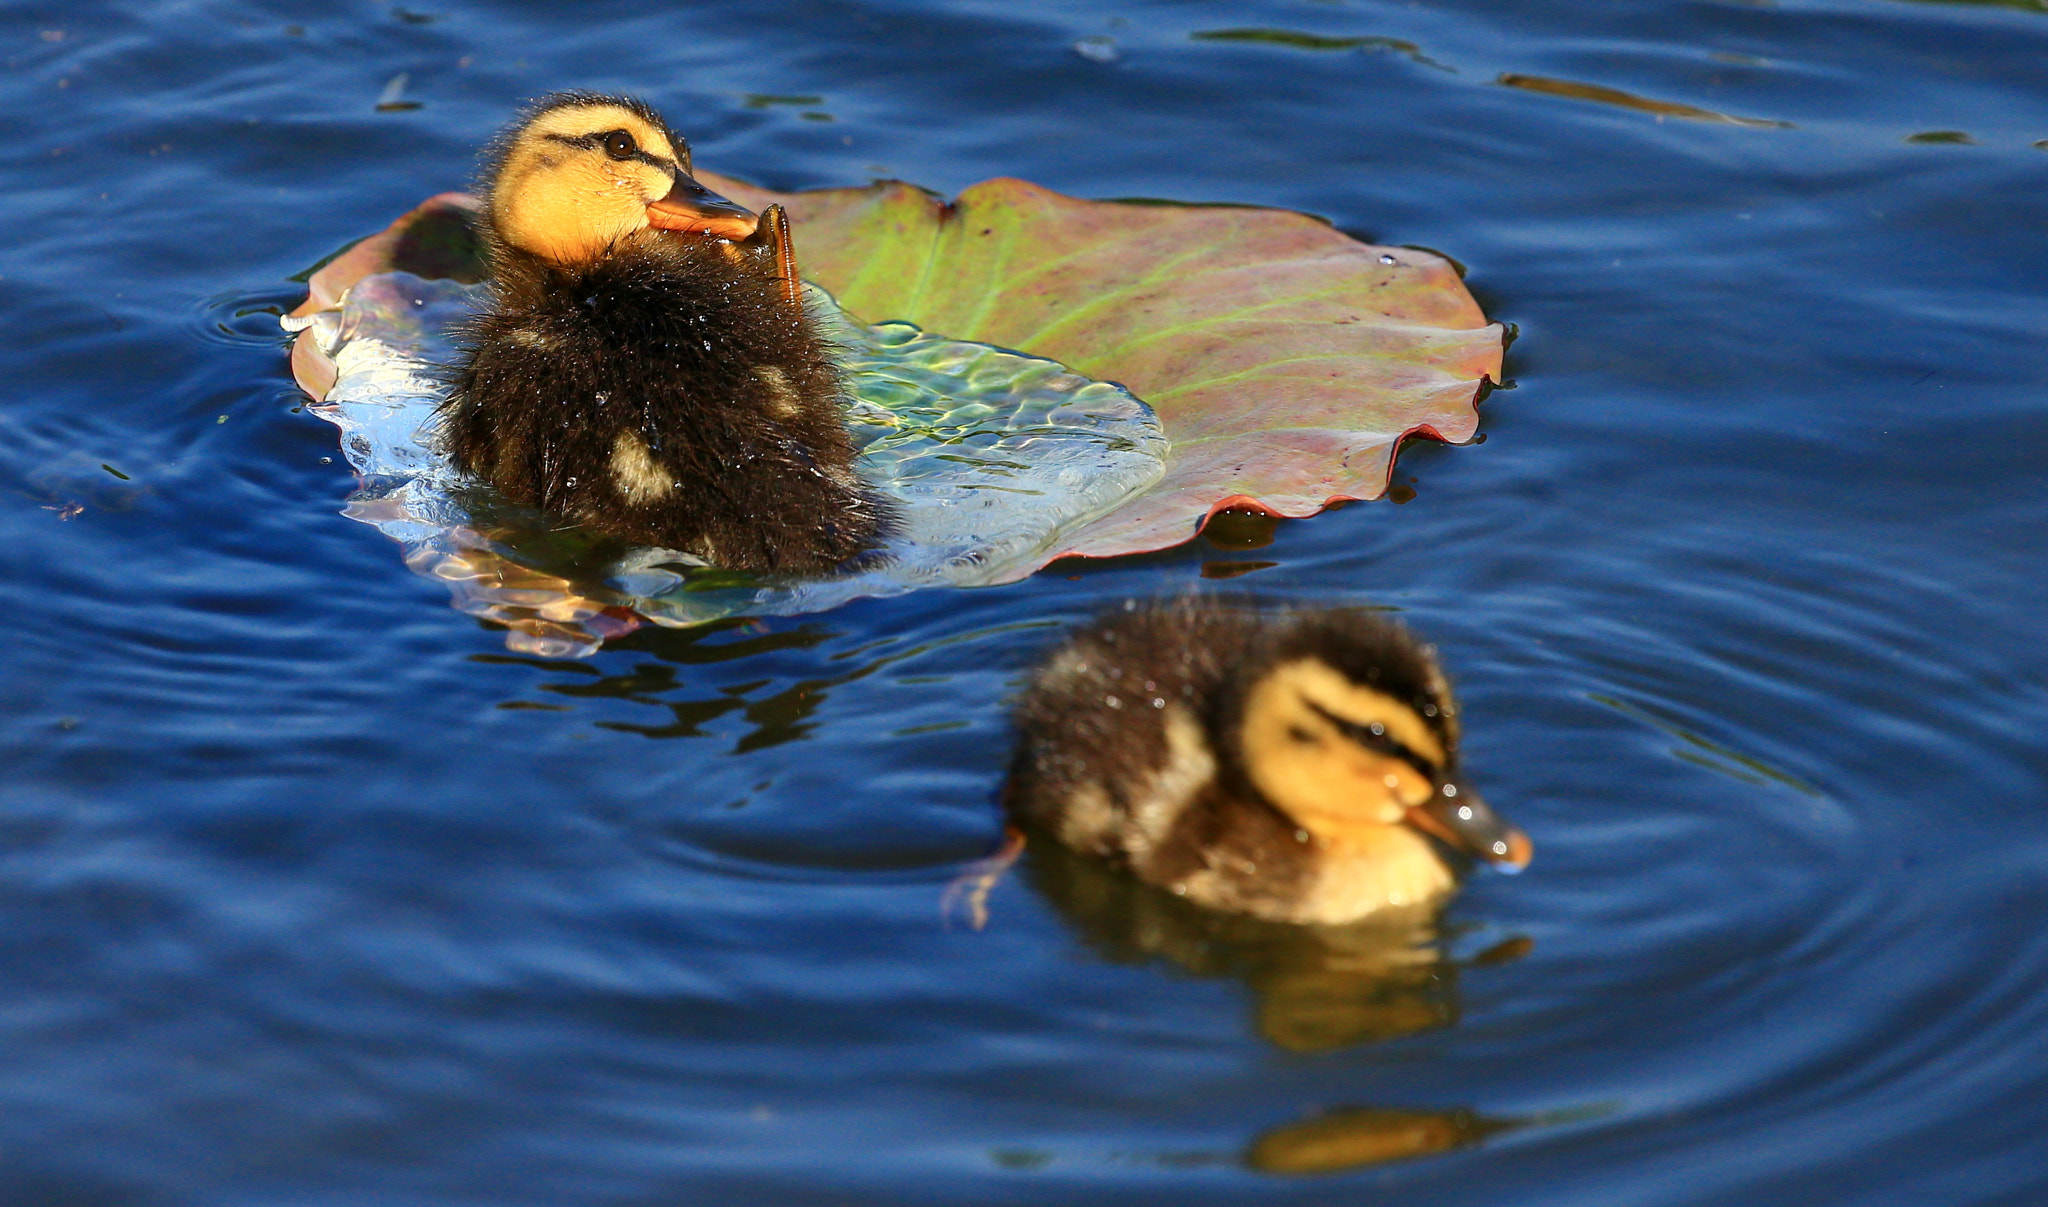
{"x":647,"y":368}
{"x":1300,"y":766}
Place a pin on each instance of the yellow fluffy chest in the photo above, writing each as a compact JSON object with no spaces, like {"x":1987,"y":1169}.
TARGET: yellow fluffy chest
{"x":1382,"y":868}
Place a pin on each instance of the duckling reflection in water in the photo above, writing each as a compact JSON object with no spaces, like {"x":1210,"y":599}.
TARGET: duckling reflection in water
{"x":647,"y":368}
{"x":1297,"y":766}
{"x":1313,"y":988}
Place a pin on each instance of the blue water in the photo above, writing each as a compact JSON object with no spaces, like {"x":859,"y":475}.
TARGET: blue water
{"x":313,"y":894}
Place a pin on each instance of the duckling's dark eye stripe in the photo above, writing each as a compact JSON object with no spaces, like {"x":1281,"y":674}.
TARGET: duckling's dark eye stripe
{"x":595,"y":142}
{"x":1381,"y":741}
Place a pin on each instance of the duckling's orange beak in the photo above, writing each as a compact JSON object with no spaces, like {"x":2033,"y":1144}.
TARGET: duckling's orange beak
{"x":1457,"y":816}
{"x":690,"y":206}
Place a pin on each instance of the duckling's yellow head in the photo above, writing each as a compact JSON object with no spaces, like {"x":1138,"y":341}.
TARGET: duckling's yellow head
{"x":1350,"y":730}
{"x":582,"y":172}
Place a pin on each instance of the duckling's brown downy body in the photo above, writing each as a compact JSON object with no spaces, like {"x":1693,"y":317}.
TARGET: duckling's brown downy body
{"x":1299,"y":766}
{"x":647,"y":369}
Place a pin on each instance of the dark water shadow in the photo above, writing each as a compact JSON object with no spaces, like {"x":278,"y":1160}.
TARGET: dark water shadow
{"x":781,"y":716}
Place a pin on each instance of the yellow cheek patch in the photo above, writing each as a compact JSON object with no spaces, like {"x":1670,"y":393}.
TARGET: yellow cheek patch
{"x":566,"y":203}
{"x":1329,"y":784}
{"x":552,"y":217}
{"x":1327,"y":688}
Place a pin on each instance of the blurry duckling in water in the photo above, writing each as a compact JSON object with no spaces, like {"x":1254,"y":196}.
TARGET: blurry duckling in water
{"x":647,"y":368}
{"x":1291,"y":765}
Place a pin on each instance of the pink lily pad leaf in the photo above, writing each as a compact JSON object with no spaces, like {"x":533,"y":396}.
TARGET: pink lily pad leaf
{"x":1283,"y":362}
{"x":434,"y":240}
{"x":1286,"y":361}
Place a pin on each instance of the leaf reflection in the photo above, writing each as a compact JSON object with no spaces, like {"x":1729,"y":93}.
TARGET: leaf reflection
{"x":1629,"y":100}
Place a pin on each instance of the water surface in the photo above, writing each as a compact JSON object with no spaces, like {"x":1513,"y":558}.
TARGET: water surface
{"x":316,"y":894}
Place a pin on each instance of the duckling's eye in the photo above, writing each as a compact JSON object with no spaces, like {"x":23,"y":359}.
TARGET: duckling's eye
{"x":620,"y":145}
{"x":1373,"y":736}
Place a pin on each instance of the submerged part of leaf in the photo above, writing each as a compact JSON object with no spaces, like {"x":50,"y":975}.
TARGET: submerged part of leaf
{"x":1286,"y":360}
{"x":991,"y":458}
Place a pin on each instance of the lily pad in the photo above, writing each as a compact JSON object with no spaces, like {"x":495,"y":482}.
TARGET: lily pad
{"x":1284,"y":362}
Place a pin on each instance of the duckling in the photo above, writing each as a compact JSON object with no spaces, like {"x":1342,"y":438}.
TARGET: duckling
{"x":647,"y":368}
{"x":1294,"y":766}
